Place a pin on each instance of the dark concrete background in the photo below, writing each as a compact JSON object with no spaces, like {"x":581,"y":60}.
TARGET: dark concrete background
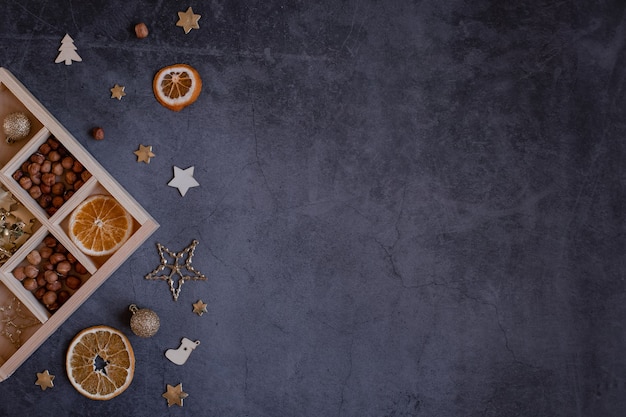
{"x":405,"y":208}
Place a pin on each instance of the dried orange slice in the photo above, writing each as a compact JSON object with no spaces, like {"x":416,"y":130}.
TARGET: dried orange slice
{"x":177,"y":86}
{"x":100,"y":362}
{"x":100,"y":225}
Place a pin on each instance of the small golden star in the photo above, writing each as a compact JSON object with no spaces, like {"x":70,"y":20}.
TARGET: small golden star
{"x":199,"y":308}
{"x":175,"y":395}
{"x":188,"y":20}
{"x":44,"y":380}
{"x":144,"y":153}
{"x":118,"y":92}
{"x":6,"y":200}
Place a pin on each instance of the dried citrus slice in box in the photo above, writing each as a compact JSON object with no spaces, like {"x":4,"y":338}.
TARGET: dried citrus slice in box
{"x":100,"y":362}
{"x":177,"y":86}
{"x":100,"y":225}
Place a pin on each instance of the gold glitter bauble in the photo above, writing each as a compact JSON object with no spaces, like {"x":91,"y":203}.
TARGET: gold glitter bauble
{"x":16,"y":126}
{"x":144,"y":322}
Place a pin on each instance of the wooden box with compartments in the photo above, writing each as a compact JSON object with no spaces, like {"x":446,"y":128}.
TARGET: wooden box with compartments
{"x":46,"y":178}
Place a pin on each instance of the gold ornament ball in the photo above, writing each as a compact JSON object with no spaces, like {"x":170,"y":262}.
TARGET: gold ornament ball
{"x":144,"y":322}
{"x":16,"y":126}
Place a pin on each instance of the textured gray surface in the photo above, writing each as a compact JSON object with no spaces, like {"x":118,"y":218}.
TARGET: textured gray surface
{"x":406,"y":208}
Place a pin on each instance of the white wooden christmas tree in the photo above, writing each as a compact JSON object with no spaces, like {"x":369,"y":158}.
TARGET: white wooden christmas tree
{"x":67,"y":51}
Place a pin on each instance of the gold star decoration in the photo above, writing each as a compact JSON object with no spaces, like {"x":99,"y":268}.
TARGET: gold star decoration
{"x":144,"y":153}
{"x":188,"y":20}
{"x":14,"y":321}
{"x":44,"y":380}
{"x":176,"y":269}
{"x":6,"y":200}
{"x":118,"y":92}
{"x":175,"y":395}
{"x":199,"y":308}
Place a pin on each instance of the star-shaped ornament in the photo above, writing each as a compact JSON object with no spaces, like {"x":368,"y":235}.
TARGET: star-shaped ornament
{"x":177,"y":269}
{"x":144,"y":153}
{"x":175,"y":395}
{"x":118,"y":92}
{"x":183,"y":180}
{"x":199,"y":308}
{"x":188,"y":20}
{"x":6,"y":200}
{"x":44,"y":380}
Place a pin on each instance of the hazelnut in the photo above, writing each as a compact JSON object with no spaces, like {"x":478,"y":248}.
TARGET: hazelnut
{"x":26,"y":183}
{"x":63,"y":267}
{"x":71,"y":258}
{"x":51,"y":210}
{"x":41,"y":279}
{"x":34,"y":169}
{"x":34,"y":257}
{"x":80,"y":269}
{"x":141,"y":30}
{"x":45,"y":252}
{"x":57,"y":168}
{"x":49,"y":297}
{"x":37,"y":158}
{"x":50,"y":241}
{"x":47,"y":266}
{"x":63,"y":296}
{"x":78,"y":184}
{"x":46,"y":189}
{"x":45,"y":199}
{"x":77,"y":167}
{"x":45,"y":148}
{"x":73,"y":282}
{"x":48,"y":179}
{"x":35,"y":192}
{"x":17,"y":175}
{"x":54,"y":286}
{"x":51,"y":276}
{"x":19,"y":273}
{"x":68,"y":194}
{"x":31,"y":271}
{"x":39,"y":293}
{"x":54,"y":156}
{"x":57,"y":201}
{"x":30,"y":284}
{"x":54,"y":144}
{"x":85,"y":175}
{"x":67,"y":162}
{"x":57,"y":257}
{"x":97,"y":133}
{"x":58,"y":189}
{"x":46,"y":166}
{"x":70,"y":177}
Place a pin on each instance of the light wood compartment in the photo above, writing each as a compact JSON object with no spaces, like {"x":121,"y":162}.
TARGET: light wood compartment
{"x":15,"y":97}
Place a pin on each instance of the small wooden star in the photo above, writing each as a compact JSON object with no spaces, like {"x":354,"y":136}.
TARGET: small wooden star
{"x":199,"y":308}
{"x":44,"y":380}
{"x":118,"y":92}
{"x":144,"y":153}
{"x":175,"y":395}
{"x":6,"y":200}
{"x":188,"y":20}
{"x":183,"y":180}
{"x":177,"y":268}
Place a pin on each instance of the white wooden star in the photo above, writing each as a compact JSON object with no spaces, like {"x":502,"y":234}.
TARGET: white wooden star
{"x":183,"y":180}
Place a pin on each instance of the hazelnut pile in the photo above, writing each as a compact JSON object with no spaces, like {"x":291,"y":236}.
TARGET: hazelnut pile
{"x":51,"y":273}
{"x":51,"y":175}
